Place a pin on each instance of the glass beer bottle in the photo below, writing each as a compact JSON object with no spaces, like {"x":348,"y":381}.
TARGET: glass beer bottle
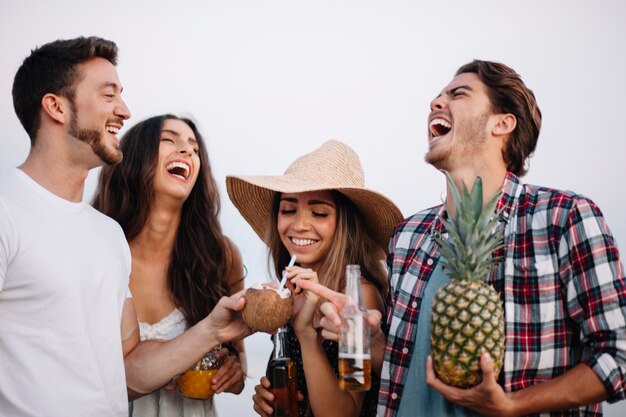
{"x":355,"y":361}
{"x":281,"y":371}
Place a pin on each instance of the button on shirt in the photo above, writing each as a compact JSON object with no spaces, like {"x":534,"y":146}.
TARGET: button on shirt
{"x":561,"y":282}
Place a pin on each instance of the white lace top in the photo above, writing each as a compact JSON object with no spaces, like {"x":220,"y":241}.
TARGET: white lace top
{"x":168,"y":328}
{"x":167,"y":402}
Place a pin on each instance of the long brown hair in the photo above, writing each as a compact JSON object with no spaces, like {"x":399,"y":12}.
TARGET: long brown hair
{"x":508,"y":94}
{"x":201,"y":257}
{"x":352,"y":245}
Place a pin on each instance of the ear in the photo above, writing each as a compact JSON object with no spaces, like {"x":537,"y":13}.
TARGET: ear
{"x":55,"y":107}
{"x":506,"y":124}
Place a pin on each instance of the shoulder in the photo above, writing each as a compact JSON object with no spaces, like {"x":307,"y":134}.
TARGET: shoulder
{"x":10,"y":183}
{"x":419,"y":221}
{"x":418,"y":224}
{"x":105,"y":222}
{"x":234,"y":266}
{"x":559,"y":205}
{"x":547,"y":195}
{"x":372,"y":299}
{"x":232,"y":251}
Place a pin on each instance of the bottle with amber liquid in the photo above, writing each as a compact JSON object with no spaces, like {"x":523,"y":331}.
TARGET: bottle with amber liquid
{"x":355,"y":360}
{"x":281,"y":371}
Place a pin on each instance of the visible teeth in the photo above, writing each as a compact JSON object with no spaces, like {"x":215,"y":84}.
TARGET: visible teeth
{"x":113,"y":129}
{"x":436,"y":123}
{"x":302,"y":242}
{"x":173,"y":165}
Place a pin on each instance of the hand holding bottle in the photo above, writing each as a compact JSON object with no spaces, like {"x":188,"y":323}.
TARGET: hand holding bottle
{"x":263,"y":398}
{"x":331,"y":319}
{"x":355,"y":355}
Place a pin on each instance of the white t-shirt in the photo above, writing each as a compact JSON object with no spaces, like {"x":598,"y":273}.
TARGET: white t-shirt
{"x":64,"y":270}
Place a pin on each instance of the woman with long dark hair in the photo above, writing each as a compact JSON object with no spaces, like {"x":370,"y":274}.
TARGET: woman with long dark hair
{"x":164,"y":196}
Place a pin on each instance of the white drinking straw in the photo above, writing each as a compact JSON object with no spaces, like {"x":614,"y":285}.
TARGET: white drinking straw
{"x":283,"y":281}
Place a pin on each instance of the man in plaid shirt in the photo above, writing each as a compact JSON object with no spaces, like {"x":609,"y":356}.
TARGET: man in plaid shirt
{"x":561,"y":280}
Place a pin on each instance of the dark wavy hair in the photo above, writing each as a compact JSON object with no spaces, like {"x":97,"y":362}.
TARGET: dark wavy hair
{"x":52,"y":69}
{"x":201,"y":258}
{"x":352,"y":244}
{"x":508,"y":94}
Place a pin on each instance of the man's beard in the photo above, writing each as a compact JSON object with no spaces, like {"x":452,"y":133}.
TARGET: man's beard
{"x":94,"y":139}
{"x":468,"y":138}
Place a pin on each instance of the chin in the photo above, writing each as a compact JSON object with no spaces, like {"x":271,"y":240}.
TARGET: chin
{"x":114,"y":158}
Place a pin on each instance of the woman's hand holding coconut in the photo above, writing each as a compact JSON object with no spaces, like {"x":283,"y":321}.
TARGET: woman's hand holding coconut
{"x":225,"y":321}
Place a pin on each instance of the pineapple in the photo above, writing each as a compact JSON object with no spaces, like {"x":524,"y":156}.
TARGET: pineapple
{"x":467,"y":315}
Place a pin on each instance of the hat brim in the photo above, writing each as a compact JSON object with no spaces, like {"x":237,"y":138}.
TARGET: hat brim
{"x":253,"y":197}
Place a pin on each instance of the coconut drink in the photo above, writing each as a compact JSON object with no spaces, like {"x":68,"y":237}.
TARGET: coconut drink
{"x":267,"y":307}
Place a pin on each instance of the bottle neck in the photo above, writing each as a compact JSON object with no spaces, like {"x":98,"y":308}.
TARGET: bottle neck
{"x":353,"y":285}
{"x":280,"y":344}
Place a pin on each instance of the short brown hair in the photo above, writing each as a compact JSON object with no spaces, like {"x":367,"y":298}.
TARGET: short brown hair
{"x":508,"y":94}
{"x":51,"y":68}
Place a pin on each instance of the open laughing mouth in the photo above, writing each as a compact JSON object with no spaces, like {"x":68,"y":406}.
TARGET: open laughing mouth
{"x":438,"y":127}
{"x":178,"y":169}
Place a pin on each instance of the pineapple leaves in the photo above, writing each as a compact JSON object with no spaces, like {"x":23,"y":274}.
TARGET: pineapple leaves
{"x":477,"y":198}
{"x":473,"y":233}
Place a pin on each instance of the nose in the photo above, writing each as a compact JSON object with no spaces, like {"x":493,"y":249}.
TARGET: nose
{"x":185,"y":148}
{"x":121,"y":110}
{"x":301,"y":221}
{"x":438,"y":103}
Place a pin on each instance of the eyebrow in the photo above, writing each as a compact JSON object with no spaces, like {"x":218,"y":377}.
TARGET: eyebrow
{"x":175,"y":133}
{"x":451,"y":91}
{"x":112,"y":84}
{"x":310,"y":202}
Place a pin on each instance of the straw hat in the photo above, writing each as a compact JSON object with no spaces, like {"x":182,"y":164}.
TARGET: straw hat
{"x":333,"y":166}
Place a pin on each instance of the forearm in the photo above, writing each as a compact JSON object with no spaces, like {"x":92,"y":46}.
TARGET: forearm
{"x":152,"y":364}
{"x":242,"y":356}
{"x":324,"y":395}
{"x":378,"y":342}
{"x":579,"y":386}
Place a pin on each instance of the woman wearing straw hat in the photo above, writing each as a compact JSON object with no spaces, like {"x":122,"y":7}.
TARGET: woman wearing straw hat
{"x":320,"y":211}
{"x":164,"y":196}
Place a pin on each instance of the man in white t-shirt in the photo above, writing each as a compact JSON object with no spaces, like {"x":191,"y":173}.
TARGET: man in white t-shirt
{"x":64,"y":266}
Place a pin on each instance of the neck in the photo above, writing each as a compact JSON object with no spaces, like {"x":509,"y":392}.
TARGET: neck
{"x":492,"y":179}
{"x":156,"y":239}
{"x":57,"y":173}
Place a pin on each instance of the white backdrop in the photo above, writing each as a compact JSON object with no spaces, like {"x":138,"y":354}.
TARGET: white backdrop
{"x":270,"y":80}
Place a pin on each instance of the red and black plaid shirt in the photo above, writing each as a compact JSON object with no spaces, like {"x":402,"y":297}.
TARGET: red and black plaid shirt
{"x":561,"y":282}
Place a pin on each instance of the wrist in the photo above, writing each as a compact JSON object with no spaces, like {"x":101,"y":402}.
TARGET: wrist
{"x":210,"y":334}
{"x":514,"y":408}
{"x":306,"y":333}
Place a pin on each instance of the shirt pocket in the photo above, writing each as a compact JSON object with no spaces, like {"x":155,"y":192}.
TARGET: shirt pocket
{"x":537,"y":291}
